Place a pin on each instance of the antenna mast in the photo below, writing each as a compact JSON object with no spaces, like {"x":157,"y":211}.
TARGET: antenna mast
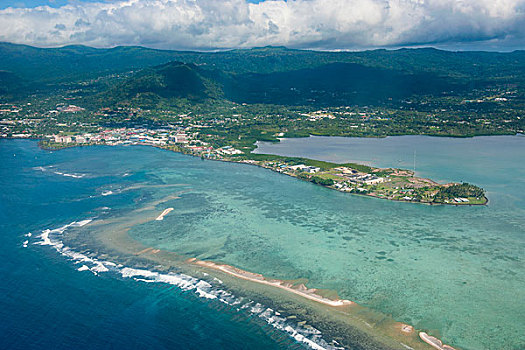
{"x":414,"y":162}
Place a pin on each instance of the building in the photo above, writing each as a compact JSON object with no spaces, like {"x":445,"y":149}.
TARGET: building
{"x":62,"y":139}
{"x":373,"y":180}
{"x":179,"y":138}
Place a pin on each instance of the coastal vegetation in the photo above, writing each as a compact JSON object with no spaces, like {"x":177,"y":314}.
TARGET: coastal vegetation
{"x":390,"y":183}
{"x":221,"y":104}
{"x":249,"y":95}
{"x":217,"y":106}
{"x":473,"y":193}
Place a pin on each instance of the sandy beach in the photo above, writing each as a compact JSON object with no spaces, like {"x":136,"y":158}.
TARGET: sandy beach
{"x":434,"y":342}
{"x":301,"y":289}
{"x":344,"y":312}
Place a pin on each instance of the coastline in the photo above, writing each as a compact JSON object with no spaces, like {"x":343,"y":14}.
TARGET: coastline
{"x":311,"y":294}
{"x":154,"y":251}
{"x":485,"y":200}
{"x":346,"y":322}
{"x":301,"y":289}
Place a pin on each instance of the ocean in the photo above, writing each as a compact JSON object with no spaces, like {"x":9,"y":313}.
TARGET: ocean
{"x":47,"y":304}
{"x":456,"y":272}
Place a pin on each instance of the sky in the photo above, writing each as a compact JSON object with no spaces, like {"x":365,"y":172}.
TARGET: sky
{"x":491,"y":25}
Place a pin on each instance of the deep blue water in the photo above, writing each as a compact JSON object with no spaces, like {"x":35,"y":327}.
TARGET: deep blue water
{"x":47,"y":304}
{"x":462,"y":266}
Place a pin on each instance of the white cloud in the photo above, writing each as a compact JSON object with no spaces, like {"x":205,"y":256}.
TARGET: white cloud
{"x":322,"y":24}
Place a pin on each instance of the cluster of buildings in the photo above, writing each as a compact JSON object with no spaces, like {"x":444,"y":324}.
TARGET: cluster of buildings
{"x":345,"y":179}
{"x":228,"y":151}
{"x":7,"y":108}
{"x":461,"y":200}
{"x":287,"y":168}
{"x":122,"y":136}
{"x":318,"y":115}
{"x":345,"y":187}
{"x":353,"y":176}
{"x":70,"y":109}
{"x":305,"y":168}
{"x":112,"y":137}
{"x":144,"y":136}
{"x":17,"y":128}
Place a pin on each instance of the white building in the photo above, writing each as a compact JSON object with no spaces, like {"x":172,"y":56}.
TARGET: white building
{"x":374,"y":180}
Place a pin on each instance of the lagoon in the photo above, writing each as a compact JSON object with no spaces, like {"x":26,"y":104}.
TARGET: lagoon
{"x":455,"y":271}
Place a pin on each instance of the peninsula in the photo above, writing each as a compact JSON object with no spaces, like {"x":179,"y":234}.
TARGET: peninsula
{"x":384,"y":183}
{"x":218,"y":105}
{"x":278,"y":263}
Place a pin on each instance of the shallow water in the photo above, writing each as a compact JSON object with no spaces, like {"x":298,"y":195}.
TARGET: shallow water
{"x":463,"y":265}
{"x":454,"y":270}
{"x":47,"y":304}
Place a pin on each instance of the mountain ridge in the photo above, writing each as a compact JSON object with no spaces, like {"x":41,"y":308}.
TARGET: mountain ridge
{"x":79,"y":62}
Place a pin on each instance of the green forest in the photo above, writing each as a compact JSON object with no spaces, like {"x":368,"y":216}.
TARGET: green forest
{"x":242,"y":96}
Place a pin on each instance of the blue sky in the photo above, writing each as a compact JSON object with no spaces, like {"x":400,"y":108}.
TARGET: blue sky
{"x":34,"y":3}
{"x":495,"y":25}
{"x":57,"y":3}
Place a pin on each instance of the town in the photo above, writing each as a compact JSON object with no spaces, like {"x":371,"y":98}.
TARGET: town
{"x":391,"y":184}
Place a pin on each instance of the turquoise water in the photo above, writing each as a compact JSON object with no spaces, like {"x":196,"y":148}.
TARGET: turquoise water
{"x":493,"y":162}
{"x":457,"y":271}
{"x":47,"y":304}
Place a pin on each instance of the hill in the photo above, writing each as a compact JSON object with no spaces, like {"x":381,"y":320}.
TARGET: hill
{"x":335,"y":84}
{"x":267,"y":75}
{"x":332,"y":84}
{"x":69,"y":62}
{"x":10,"y":83}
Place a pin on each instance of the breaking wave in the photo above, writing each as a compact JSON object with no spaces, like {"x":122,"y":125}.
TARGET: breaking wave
{"x":50,"y":168}
{"x":310,"y":336}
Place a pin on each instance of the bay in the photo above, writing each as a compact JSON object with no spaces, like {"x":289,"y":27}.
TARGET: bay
{"x":456,"y":271}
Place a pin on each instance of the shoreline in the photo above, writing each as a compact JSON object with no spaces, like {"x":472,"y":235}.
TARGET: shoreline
{"x":382,"y":326}
{"x":253,"y":162}
{"x":419,"y":335}
{"x":301,"y":289}
{"x":308,"y":293}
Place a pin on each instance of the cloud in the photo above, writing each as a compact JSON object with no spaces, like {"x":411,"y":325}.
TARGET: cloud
{"x":319,"y":24}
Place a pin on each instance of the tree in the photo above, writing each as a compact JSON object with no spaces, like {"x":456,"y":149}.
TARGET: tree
{"x":322,"y":181}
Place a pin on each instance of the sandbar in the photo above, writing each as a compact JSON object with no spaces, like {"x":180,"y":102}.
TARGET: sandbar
{"x":301,"y":289}
{"x":165,"y":212}
{"x":434,"y":342}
